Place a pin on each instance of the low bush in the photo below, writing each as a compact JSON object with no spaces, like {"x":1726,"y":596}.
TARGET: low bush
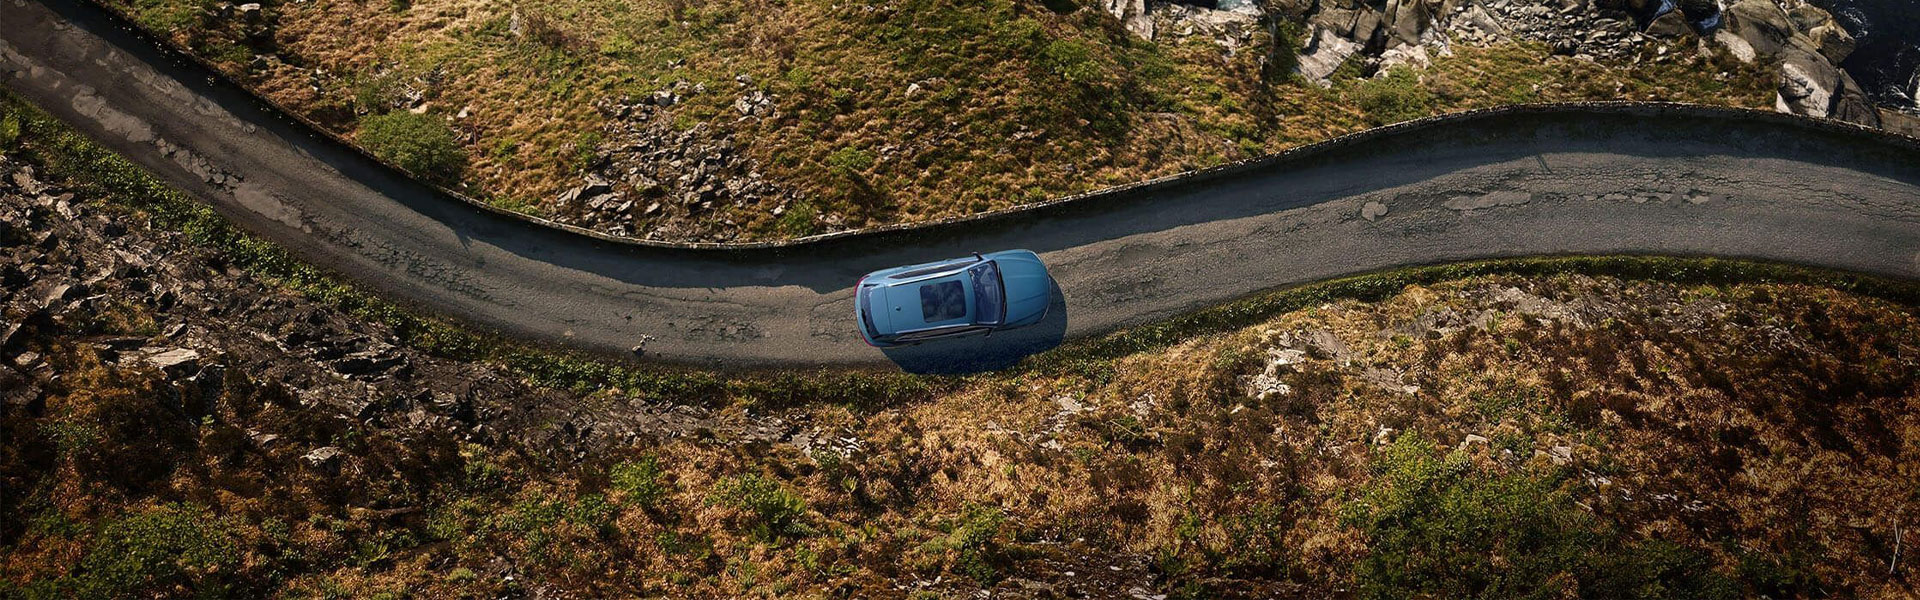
{"x":1397,"y":96}
{"x":420,"y":143}
{"x":160,"y":551}
{"x":640,"y":482}
{"x":1438,"y":528}
{"x":775,"y":511}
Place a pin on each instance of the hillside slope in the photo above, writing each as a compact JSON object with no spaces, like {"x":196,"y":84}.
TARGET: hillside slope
{"x":765,"y":119}
{"x":185,"y":413}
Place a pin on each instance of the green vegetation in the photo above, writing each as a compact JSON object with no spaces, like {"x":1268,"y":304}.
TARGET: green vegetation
{"x":1395,"y":97}
{"x":422,"y":144}
{"x":1437,"y":527}
{"x":902,"y":111}
{"x":9,"y":130}
{"x":640,"y":482}
{"x":147,"y":553}
{"x":774,"y":512}
{"x":975,"y":544}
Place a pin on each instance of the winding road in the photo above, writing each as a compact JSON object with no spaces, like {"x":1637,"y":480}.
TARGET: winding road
{"x":1585,"y":179}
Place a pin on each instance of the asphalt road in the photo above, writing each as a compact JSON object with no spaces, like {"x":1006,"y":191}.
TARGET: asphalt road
{"x":1565,"y":180}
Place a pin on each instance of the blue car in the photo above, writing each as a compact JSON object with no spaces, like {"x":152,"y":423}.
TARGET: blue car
{"x":979,"y":294}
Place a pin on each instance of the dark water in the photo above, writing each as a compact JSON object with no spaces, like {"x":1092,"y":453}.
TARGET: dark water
{"x":1888,"y":60}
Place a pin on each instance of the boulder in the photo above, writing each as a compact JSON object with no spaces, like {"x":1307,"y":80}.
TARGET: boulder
{"x":1337,"y":20}
{"x":1760,"y":28}
{"x":172,"y":359}
{"x":1807,"y":85}
{"x":1852,"y":105}
{"x":1324,"y":54}
{"x":1823,"y":31}
{"x":1812,"y":86}
{"x":1670,"y":25}
{"x":1833,"y":42}
{"x":1370,"y":29}
{"x":322,"y":457}
{"x":1133,"y":14}
{"x":1408,"y":21}
{"x":1411,"y":56}
{"x":1806,"y":17}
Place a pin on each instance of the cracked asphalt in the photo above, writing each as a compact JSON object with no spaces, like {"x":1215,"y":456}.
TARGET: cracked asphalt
{"x":1568,"y":180}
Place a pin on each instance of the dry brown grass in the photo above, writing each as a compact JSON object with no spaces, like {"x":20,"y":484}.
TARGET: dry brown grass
{"x":1015,"y":103}
{"x":1740,"y":425}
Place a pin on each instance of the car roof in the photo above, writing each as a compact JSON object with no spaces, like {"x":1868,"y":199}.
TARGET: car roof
{"x":903,"y":305}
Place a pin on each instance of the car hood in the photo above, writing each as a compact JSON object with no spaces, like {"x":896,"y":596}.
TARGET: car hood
{"x":1029,"y":288}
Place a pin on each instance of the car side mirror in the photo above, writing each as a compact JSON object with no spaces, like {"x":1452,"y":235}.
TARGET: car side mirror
{"x":977,"y":256}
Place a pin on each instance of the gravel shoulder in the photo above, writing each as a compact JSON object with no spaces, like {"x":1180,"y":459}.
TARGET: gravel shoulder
{"x":1550,"y":181}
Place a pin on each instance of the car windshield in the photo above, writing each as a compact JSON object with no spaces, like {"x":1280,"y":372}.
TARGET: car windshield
{"x":943,"y":301}
{"x":990,"y":297}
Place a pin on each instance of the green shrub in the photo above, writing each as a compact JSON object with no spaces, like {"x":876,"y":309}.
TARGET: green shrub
{"x":154,"y":551}
{"x":1436,"y":528}
{"x":640,"y":482}
{"x":798,"y":221}
{"x":850,"y":161}
{"x":1256,"y":539}
{"x":976,"y":542}
{"x":549,"y":527}
{"x":9,"y":130}
{"x":422,"y":144}
{"x":1071,"y":60}
{"x":1397,"y":96}
{"x":776,"y":511}
{"x":377,"y":93}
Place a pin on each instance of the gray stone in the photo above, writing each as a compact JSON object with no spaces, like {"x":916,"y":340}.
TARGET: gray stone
{"x":1323,"y":55}
{"x":1807,"y":85}
{"x":170,"y":359}
{"x":1670,"y":25}
{"x":1325,"y":345}
{"x":321,"y":457}
{"x":1409,"y":21}
{"x":1761,"y":25}
{"x":1132,"y":14}
{"x":1560,"y":455}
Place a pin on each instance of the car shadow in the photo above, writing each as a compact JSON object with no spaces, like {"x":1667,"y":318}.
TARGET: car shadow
{"x":982,"y":353}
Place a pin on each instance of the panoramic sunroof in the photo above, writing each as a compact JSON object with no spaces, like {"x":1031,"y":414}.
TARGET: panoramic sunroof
{"x":944,"y":301}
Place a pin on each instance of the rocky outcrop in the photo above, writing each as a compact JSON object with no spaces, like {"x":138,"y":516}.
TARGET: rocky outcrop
{"x":1808,"y":44}
{"x":1411,"y":32}
{"x":1133,"y":14}
{"x":1324,"y":52}
{"x":66,"y":260}
{"x":651,"y":178}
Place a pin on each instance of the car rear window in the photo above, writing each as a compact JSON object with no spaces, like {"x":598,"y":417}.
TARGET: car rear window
{"x":943,"y":301}
{"x":866,"y":313}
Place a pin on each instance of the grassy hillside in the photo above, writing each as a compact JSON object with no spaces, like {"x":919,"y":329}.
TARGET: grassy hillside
{"x":1603,"y":428}
{"x":881,"y":112}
